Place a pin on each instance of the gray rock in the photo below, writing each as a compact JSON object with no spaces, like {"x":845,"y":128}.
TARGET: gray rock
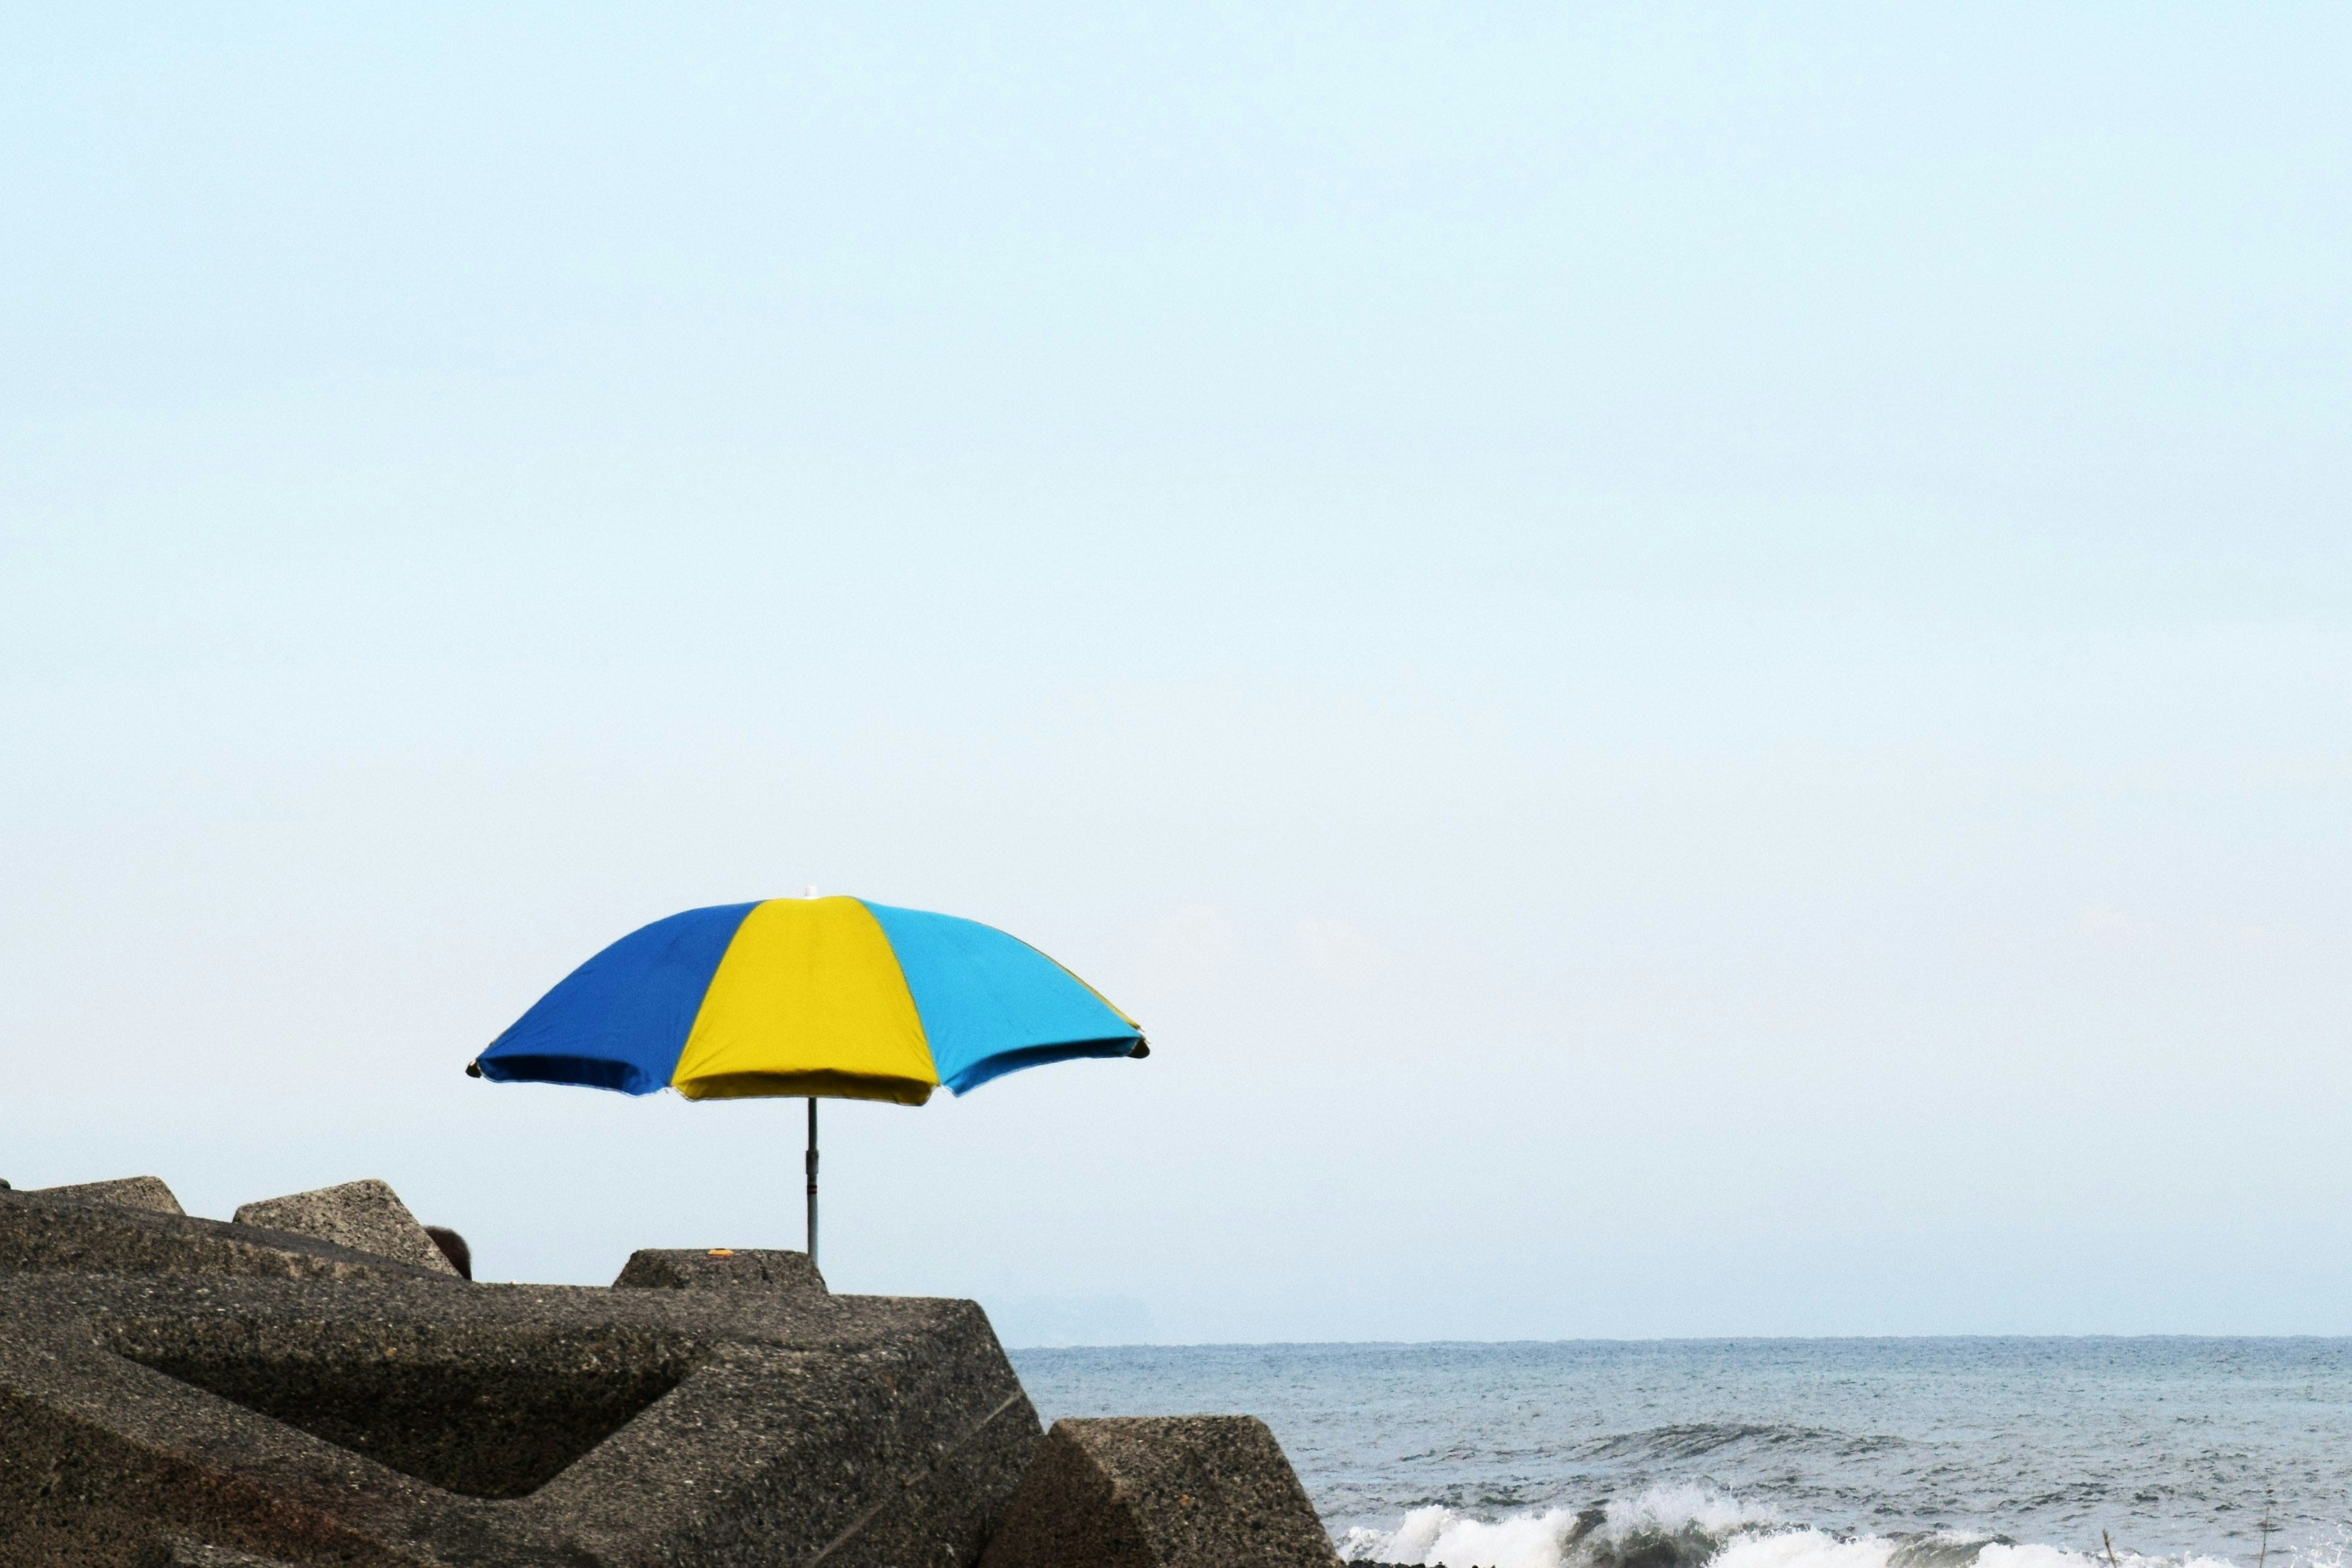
{"x":387,"y":1418}
{"x":1181,"y":1491}
{"x":129,"y":1192}
{"x":366,"y":1216}
{"x":651,"y":1268}
{"x":45,"y":1235}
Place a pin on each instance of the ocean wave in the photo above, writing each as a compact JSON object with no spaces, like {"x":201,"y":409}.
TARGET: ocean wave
{"x":1697,"y":1440}
{"x":1666,"y":1527}
{"x":1688,"y":1527}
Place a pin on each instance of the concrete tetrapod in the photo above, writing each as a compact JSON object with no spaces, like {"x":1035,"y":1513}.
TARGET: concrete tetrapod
{"x":1179,"y":1491}
{"x":653,"y":1268}
{"x":127,"y":1192}
{"x":44,"y":1233}
{"x":367,"y":1216}
{"x":190,"y":1388}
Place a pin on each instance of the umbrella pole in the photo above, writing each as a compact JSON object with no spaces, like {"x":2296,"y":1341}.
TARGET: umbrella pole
{"x":812,"y":1181}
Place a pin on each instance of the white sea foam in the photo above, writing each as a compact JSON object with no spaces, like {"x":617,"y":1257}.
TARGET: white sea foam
{"x":1703,"y":1527}
{"x":1439,"y":1536}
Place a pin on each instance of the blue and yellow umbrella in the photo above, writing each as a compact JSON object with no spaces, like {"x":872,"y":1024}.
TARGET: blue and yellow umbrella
{"x":824,"y":998}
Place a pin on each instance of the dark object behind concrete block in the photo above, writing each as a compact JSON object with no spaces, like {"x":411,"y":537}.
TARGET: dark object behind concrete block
{"x":1179,"y":1491}
{"x":655,"y":1268}
{"x":453,"y":1248}
{"x":364,"y":1216}
{"x":129,"y":1192}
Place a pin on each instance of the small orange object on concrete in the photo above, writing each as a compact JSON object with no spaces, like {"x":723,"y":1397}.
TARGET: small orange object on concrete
{"x":721,"y":1252}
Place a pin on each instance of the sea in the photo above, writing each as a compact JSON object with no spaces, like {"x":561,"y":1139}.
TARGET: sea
{"x":1862,"y":1453}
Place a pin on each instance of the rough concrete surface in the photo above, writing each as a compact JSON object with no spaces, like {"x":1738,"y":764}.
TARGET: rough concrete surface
{"x":179,"y":1551}
{"x":43,"y":1234}
{"x":239,"y":1390}
{"x":1185,"y":1492}
{"x":653,"y":1268}
{"x":366,"y":1216}
{"x":129,"y":1192}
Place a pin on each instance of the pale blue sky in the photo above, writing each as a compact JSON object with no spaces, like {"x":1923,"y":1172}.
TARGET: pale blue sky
{"x":1693,"y":662}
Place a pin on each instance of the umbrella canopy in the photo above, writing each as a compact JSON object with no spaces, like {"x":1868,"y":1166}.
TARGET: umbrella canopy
{"x":833,"y":998}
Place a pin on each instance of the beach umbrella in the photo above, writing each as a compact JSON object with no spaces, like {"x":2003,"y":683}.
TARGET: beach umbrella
{"x":811,"y":998}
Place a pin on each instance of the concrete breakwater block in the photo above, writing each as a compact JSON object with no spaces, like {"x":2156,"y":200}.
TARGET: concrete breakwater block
{"x":212,"y":1389}
{"x":366,"y":1216}
{"x":1185,"y":1492}
{"x":129,"y":1192}
{"x":41,"y":1232}
{"x":652,"y":1268}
